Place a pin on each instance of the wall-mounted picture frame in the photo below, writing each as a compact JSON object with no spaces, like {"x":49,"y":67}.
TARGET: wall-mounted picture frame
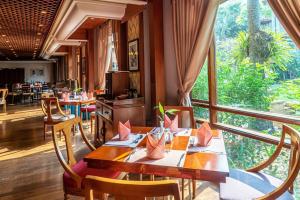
{"x":41,"y":72}
{"x":133,"y":55}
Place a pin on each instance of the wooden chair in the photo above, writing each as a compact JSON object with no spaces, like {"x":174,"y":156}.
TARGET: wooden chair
{"x":51,"y":119}
{"x":185,"y":116}
{"x":75,"y":171}
{"x":254,"y":184}
{"x":27,"y":92}
{"x":88,"y":109}
{"x":3,"y":96}
{"x":123,"y":189}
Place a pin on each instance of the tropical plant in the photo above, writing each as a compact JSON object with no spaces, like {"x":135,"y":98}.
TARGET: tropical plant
{"x":163,"y":112}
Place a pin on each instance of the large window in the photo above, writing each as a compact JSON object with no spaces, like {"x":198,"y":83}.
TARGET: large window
{"x":257,"y":70}
{"x":258,"y":65}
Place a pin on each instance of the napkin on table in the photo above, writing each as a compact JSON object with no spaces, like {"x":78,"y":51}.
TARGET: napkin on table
{"x":172,"y":124}
{"x":124,"y":130}
{"x":204,"y":134}
{"x":155,"y":147}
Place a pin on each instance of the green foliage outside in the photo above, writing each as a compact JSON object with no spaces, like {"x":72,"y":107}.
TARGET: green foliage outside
{"x":273,"y":80}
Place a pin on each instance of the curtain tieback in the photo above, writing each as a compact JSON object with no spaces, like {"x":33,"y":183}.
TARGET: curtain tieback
{"x":183,"y":94}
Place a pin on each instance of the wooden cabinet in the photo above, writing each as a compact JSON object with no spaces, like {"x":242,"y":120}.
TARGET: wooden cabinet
{"x":117,"y":83}
{"x":109,"y":113}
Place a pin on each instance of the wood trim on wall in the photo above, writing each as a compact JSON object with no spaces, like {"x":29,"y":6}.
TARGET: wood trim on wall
{"x":141,"y":55}
{"x":157,"y":69}
{"x":90,"y":65}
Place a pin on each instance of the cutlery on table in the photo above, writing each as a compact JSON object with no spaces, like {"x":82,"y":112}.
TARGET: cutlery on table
{"x":179,"y":162}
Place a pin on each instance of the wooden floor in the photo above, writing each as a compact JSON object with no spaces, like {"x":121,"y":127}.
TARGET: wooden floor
{"x":29,"y":168}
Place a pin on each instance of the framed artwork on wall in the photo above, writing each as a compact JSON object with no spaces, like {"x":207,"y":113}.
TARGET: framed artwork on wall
{"x":133,"y":55}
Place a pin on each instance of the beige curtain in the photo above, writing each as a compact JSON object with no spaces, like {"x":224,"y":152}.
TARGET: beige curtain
{"x":288,"y":12}
{"x":103,"y":48}
{"x":116,"y":27}
{"x":193,"y":22}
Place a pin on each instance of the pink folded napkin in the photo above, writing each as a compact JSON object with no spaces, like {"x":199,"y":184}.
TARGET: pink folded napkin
{"x":84,"y":95}
{"x":204,"y":134}
{"x":171,"y":124}
{"x":155,"y":147}
{"x":90,"y":95}
{"x":65,"y":96}
{"x":124,"y":130}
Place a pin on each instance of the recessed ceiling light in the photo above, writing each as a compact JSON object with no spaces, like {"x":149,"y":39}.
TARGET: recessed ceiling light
{"x":12,"y":49}
{"x":44,"y":12}
{"x":40,"y":25}
{"x":7,"y":41}
{"x":3,"y":35}
{"x":39,"y":33}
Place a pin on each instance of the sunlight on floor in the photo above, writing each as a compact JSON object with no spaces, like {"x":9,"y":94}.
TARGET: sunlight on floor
{"x":7,"y":154}
{"x":21,"y":115}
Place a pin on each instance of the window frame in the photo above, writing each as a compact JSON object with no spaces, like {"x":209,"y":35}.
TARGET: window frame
{"x":214,"y":108}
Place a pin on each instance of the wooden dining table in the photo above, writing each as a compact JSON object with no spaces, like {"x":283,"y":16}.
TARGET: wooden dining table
{"x":76,"y":103}
{"x":203,"y":165}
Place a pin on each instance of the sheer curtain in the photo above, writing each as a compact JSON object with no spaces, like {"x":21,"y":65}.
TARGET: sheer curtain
{"x":288,"y":12}
{"x":193,"y":23}
{"x":103,"y":53}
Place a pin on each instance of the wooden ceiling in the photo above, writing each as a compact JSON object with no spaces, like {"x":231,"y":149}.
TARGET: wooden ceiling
{"x":24,"y":25}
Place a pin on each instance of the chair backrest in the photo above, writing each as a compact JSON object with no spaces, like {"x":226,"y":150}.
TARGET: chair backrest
{"x":26,"y":88}
{"x":185,"y":116}
{"x":3,"y":95}
{"x":66,"y":129}
{"x":294,"y":163}
{"x":123,"y":189}
{"x":46,"y":104}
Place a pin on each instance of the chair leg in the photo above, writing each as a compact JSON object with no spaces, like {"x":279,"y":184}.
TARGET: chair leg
{"x":4,"y":108}
{"x":44,"y":131}
{"x":194,"y":188}
{"x":182,"y":188}
{"x":91,"y":121}
{"x":66,"y":196}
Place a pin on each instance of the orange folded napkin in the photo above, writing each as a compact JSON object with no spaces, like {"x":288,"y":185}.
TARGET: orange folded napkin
{"x":155,"y":147}
{"x":204,"y":134}
{"x":124,"y":130}
{"x":171,"y":124}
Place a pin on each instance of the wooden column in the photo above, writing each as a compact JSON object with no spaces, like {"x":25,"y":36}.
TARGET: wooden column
{"x":90,"y":60}
{"x":212,"y":83}
{"x":157,"y":69}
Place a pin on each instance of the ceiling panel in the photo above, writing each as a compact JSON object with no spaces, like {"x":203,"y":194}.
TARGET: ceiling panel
{"x":24,"y":25}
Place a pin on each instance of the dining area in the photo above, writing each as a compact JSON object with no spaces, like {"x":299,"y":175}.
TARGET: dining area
{"x":157,"y":154}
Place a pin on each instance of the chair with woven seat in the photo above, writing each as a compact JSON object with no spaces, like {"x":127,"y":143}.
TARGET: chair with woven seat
{"x":123,"y":189}
{"x":75,"y":171}
{"x":3,"y":95}
{"x":49,"y":118}
{"x":254,"y":184}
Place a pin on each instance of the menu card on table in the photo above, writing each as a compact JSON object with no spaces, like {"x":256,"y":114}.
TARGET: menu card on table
{"x":133,"y":141}
{"x":216,"y":145}
{"x":173,"y":158}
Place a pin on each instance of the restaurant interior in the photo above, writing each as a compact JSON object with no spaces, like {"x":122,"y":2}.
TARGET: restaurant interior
{"x":150,"y":99}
